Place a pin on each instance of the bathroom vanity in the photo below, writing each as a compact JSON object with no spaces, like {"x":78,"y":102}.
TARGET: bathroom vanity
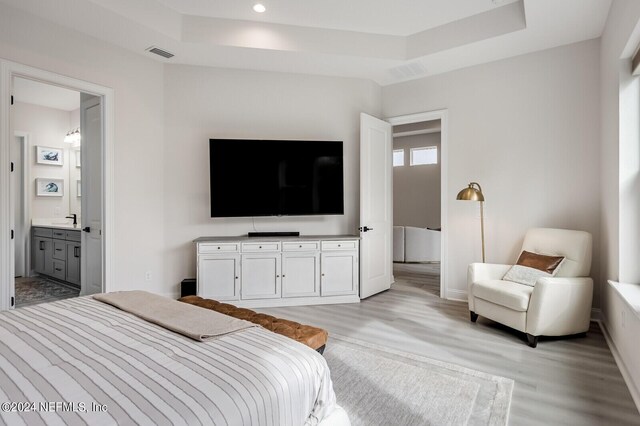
{"x":55,"y":252}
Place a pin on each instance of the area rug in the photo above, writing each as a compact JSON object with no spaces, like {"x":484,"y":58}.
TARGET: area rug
{"x":30,"y":291}
{"x":383,"y":386}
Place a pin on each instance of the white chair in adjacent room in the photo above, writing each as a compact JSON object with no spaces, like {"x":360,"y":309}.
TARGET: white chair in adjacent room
{"x":421,"y":244}
{"x":554,"y":306}
{"x":398,"y":243}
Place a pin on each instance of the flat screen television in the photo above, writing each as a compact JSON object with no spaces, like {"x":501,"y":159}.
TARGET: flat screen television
{"x":275,"y":178}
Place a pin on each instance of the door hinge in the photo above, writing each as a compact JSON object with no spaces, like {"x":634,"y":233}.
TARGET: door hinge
{"x":12,"y":167}
{"x":13,"y":301}
{"x":12,"y":234}
{"x":11,"y":99}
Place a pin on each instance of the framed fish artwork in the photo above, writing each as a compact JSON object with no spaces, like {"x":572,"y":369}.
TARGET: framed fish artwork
{"x":50,"y":156}
{"x":49,"y":187}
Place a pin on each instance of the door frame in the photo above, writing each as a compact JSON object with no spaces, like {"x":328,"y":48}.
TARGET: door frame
{"x":9,"y":70}
{"x":443,"y":116}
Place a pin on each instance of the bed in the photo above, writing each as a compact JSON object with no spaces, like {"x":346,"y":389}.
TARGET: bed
{"x":82,"y":361}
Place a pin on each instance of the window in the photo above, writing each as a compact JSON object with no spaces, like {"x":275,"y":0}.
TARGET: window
{"x":424,"y":155}
{"x":398,"y":157}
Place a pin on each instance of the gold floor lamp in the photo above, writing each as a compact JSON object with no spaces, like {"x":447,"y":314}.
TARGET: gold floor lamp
{"x":471,"y":193}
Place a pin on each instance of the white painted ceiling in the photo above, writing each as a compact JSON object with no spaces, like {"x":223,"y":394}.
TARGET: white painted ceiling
{"x":382,"y":40}
{"x":47,"y":95}
{"x":400,"y":17}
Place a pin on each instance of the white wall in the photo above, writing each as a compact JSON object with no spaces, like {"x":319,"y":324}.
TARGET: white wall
{"x":416,"y":189}
{"x":139,"y":165}
{"x":619,"y":203}
{"x":218,"y":103}
{"x":46,"y":127}
{"x":525,"y":128}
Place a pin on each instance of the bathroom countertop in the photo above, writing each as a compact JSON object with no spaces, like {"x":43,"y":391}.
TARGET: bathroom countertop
{"x":46,"y":223}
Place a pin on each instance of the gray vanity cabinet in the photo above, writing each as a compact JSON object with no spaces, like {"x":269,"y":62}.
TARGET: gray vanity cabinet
{"x":56,"y":253}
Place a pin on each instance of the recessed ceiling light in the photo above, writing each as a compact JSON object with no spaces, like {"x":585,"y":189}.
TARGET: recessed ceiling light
{"x":259,"y":7}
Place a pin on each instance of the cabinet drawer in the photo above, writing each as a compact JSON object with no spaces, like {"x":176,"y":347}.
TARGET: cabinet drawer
{"x":260,"y":247}
{"x":301,"y":246}
{"x":43,"y":232}
{"x":57,"y":233}
{"x":59,"y":250}
{"x":210,"y":248}
{"x":59,"y":269}
{"x":339,"y":245}
{"x":72,"y":236}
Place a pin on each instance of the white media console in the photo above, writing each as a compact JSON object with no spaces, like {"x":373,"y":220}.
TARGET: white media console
{"x":279,"y":271}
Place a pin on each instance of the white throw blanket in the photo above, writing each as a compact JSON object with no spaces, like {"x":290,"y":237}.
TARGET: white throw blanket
{"x":189,"y":320}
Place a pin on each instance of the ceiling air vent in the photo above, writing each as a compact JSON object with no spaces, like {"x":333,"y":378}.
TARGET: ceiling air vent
{"x":408,"y":71}
{"x":160,"y":52}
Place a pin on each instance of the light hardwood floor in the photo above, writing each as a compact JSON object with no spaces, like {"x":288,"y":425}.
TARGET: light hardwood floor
{"x":562,"y":381}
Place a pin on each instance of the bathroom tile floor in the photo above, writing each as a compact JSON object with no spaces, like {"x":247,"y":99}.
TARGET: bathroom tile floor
{"x":34,"y":290}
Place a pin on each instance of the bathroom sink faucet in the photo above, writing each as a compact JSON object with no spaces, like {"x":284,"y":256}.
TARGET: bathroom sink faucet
{"x":74,"y":217}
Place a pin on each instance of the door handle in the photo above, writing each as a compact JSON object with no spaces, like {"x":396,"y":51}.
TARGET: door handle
{"x":41,"y":245}
{"x":87,"y":229}
{"x":76,"y":251}
{"x":365,"y":229}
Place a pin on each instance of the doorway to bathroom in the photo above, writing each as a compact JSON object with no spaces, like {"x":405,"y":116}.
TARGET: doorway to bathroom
{"x":97,"y":223}
{"x":55,"y":192}
{"x":417,"y":194}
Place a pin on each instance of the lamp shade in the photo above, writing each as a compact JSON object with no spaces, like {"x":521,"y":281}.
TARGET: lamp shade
{"x":471,"y":193}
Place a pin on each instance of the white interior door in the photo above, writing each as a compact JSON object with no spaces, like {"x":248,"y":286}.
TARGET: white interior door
{"x":91,"y":183}
{"x":376,"y":204}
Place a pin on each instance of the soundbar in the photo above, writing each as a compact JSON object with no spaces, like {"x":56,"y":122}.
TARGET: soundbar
{"x":273,"y":234}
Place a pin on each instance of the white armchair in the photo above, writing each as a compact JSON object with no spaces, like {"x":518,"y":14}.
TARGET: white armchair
{"x":557,"y":306}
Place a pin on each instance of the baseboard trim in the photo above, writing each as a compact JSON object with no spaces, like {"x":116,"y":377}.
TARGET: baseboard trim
{"x":170,"y":295}
{"x":628,"y":379}
{"x":596,"y":314}
{"x":455,"y":294}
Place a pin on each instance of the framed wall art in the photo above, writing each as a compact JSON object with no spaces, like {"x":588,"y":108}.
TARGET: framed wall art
{"x":50,"y":156}
{"x":49,"y":187}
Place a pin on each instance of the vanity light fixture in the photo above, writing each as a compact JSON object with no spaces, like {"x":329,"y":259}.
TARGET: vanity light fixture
{"x":73,"y":137}
{"x":259,"y":7}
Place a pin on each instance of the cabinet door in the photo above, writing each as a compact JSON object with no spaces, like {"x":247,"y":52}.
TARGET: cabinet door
{"x":37,"y":258}
{"x":73,"y":263}
{"x":218,"y":277}
{"x":261,"y":276}
{"x":339,"y":274}
{"x":300,"y":274}
{"x":43,"y":255}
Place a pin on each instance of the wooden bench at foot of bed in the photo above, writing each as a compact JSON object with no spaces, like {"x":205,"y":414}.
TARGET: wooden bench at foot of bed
{"x":314,"y":337}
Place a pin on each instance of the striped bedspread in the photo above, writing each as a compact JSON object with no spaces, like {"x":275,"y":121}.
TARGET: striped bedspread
{"x":80,"y":361}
